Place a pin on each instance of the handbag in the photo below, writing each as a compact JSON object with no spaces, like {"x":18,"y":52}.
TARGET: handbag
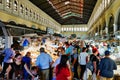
{"x":89,"y":65}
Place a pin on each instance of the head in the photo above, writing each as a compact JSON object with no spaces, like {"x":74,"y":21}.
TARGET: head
{"x":34,"y":69}
{"x":28,"y":54}
{"x":60,"y":44}
{"x":42,"y":49}
{"x":75,"y":50}
{"x":12,"y":46}
{"x":66,"y":44}
{"x":84,"y":49}
{"x":107,"y":53}
{"x":64,"y":59}
{"x":94,"y":50}
{"x":62,"y":50}
{"x":18,"y":57}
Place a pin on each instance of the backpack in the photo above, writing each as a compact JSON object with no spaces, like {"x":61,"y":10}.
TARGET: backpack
{"x":89,"y":65}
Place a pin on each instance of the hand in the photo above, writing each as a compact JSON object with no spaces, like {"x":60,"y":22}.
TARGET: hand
{"x":33,"y":77}
{"x":94,"y":71}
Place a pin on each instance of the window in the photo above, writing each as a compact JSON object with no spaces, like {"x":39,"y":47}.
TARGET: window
{"x":26,"y":10}
{"x":30,"y":13}
{"x":108,"y":1}
{"x":34,"y":15}
{"x":70,"y":29}
{"x":64,"y":29}
{"x":75,"y":29}
{"x":15,"y":5}
{"x":37,"y":17}
{"x":80,"y":29}
{"x":8,"y":3}
{"x":85,"y":29}
{"x":105,"y":3}
{"x":61,"y":29}
{"x":21,"y":8}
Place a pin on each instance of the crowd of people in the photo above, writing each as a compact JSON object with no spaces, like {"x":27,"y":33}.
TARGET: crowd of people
{"x":70,"y":64}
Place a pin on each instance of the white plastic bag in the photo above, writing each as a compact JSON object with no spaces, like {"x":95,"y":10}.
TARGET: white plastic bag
{"x":94,"y":76}
{"x":86,"y":74}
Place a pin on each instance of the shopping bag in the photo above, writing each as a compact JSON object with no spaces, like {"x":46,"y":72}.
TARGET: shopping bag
{"x":85,"y":77}
{"x":89,"y":65}
{"x":94,"y":76}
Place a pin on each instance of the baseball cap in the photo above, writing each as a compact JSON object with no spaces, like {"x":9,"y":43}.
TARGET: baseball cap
{"x":107,"y":52}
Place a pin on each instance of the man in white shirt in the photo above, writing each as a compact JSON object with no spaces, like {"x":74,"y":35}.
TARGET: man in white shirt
{"x":83,"y":59}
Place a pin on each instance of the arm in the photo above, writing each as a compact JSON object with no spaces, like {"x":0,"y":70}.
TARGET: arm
{"x":69,"y":78}
{"x":50,"y":60}
{"x":54,"y":72}
{"x":51,"y":63}
{"x":68,"y":54}
{"x":75,"y":59}
{"x":26,"y":68}
{"x":95,"y":66}
{"x":79,"y":58}
{"x":8,"y":70}
{"x":87,"y":59}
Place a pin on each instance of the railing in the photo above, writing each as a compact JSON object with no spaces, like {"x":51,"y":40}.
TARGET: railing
{"x":26,"y":10}
{"x":99,"y":10}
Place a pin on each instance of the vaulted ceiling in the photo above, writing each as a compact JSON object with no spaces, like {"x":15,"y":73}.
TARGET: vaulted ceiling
{"x":67,"y":12}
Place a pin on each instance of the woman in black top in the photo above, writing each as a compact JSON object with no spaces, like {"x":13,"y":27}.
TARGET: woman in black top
{"x":95,"y":59}
{"x":17,"y":67}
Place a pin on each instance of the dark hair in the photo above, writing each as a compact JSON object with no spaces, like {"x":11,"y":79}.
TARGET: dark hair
{"x":34,"y":68}
{"x":83,"y":49}
{"x":27,"y":53}
{"x":66,"y":43}
{"x":12,"y":46}
{"x":63,"y":63}
{"x":42,"y":49}
{"x":62,"y":48}
{"x":17,"y":55}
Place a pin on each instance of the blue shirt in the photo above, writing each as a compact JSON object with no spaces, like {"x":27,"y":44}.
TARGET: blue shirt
{"x":71,"y":49}
{"x":43,"y":60}
{"x":9,"y":53}
{"x":27,"y":60}
{"x":107,"y":66}
{"x":67,"y":51}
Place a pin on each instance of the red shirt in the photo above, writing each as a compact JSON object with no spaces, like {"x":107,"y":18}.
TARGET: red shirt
{"x":63,"y":73}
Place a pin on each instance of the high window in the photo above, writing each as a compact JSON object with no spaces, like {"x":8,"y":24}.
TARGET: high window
{"x":8,"y":3}
{"x":15,"y":5}
{"x":26,"y":11}
{"x":21,"y":8}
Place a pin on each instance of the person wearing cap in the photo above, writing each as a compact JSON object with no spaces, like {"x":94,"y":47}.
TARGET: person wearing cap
{"x":95,"y":60}
{"x":107,"y":65}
